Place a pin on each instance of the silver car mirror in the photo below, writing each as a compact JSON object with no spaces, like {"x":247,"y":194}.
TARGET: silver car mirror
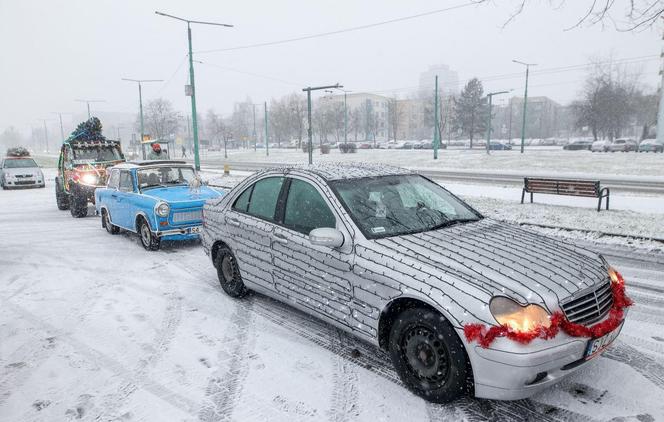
{"x":325,"y":236}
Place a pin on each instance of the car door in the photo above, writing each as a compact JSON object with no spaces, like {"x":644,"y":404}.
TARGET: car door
{"x":123,"y":204}
{"x":250,"y":222}
{"x":108,"y":197}
{"x":315,"y":277}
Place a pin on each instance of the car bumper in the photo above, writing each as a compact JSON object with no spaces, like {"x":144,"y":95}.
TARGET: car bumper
{"x":183,"y":233}
{"x":508,"y":370}
{"x":24,"y":184}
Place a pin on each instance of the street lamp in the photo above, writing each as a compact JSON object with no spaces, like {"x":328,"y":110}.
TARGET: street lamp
{"x":192,"y":85}
{"x":88,"y":103}
{"x":310,"y":133}
{"x":140,"y":104}
{"x":488,"y":125}
{"x":62,"y":129}
{"x":525,"y":101}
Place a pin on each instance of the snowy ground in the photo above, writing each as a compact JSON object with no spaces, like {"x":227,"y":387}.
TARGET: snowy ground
{"x":93,"y":327}
{"x":535,"y":160}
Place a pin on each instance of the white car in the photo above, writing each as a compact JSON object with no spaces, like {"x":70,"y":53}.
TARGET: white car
{"x":20,"y":172}
{"x":600,"y":146}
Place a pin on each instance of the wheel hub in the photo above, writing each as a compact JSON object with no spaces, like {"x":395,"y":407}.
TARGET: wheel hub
{"x":228,"y":268}
{"x":426,"y":355}
{"x":145,"y":234}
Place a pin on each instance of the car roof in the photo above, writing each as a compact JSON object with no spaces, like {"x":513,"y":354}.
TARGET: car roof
{"x":150,"y":163}
{"x":339,"y":171}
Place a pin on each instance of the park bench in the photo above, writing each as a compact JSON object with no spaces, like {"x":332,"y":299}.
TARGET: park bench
{"x":587,"y":188}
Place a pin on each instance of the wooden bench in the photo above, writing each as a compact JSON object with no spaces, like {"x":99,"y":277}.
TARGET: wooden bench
{"x":586,"y":188}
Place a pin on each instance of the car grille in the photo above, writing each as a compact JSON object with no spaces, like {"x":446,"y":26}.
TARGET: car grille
{"x":591,"y":306}
{"x":25,"y":182}
{"x":182,"y":216}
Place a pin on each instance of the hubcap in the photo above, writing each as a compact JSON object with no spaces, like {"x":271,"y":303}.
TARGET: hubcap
{"x":145,"y":234}
{"x":426,"y":355}
{"x":107,"y":219}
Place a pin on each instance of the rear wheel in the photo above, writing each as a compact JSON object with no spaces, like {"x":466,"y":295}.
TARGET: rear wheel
{"x":228,"y":273}
{"x":61,"y":198}
{"x":429,"y":356}
{"x":78,"y":203}
{"x":148,"y":239}
{"x":106,"y":223}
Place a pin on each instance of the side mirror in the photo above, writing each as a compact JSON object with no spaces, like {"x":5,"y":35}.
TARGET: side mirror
{"x":325,"y":236}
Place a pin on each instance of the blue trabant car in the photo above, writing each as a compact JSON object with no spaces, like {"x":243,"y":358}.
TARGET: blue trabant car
{"x":158,"y":200}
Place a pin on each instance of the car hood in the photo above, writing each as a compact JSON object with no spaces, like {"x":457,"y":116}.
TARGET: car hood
{"x":32,"y":171}
{"x":174,"y":194}
{"x":495,"y":258}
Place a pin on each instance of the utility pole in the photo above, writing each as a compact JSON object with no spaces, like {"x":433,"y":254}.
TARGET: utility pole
{"x":140,"y":104}
{"x":192,"y":85}
{"x":436,"y":137}
{"x":309,"y":131}
{"x":255,"y":136}
{"x":660,"y":112}
{"x":62,"y":128}
{"x":267,"y":144}
{"x":525,"y":103}
{"x":45,"y":135}
{"x":488,"y":123}
{"x":88,"y":104}
{"x":510,"y":121}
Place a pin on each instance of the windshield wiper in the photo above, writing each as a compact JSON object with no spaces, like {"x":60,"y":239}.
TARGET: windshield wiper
{"x":454,"y":222}
{"x":153,"y":186}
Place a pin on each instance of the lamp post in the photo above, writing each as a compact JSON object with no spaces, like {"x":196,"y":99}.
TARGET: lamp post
{"x":62,"y":128}
{"x":488,"y":124}
{"x":88,"y":104}
{"x":525,"y":102}
{"x":192,"y":85}
{"x":140,"y":101}
{"x":308,"y":91}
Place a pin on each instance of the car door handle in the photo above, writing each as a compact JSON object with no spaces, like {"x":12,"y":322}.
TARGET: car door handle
{"x":113,"y":195}
{"x":280,"y":238}
{"x":233,"y":222}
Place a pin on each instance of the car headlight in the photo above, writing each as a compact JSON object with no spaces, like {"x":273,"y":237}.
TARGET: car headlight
{"x":89,"y":179}
{"x":517,"y":317}
{"x":162,"y":209}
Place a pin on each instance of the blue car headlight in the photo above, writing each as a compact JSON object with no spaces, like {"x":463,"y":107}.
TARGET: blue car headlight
{"x":162,"y":209}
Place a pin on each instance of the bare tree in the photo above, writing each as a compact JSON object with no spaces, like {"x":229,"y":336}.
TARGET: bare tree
{"x":298,"y":109}
{"x":161,"y":121}
{"x":215,"y":126}
{"x":395,"y":112}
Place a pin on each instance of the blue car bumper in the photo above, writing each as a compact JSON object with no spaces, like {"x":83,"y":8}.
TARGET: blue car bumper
{"x":180,"y":233}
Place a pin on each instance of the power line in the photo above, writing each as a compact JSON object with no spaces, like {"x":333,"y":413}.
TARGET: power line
{"x":258,"y":75}
{"x":340,"y":31}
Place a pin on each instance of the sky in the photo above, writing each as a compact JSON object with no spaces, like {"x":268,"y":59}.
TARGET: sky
{"x":54,"y":52}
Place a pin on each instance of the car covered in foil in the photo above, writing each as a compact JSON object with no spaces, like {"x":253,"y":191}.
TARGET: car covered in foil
{"x":463,"y":304}
{"x":158,"y":200}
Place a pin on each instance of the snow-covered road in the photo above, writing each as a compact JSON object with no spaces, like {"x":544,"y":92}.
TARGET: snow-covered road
{"x":93,"y":327}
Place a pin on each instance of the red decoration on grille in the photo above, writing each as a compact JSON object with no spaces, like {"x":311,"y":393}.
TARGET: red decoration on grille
{"x":485,"y":336}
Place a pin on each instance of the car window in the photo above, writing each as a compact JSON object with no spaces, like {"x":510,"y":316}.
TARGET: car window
{"x":114,"y":179}
{"x":263,"y":197}
{"x":125,"y":182}
{"x":16,"y":163}
{"x":242,"y":201}
{"x":306,"y":209}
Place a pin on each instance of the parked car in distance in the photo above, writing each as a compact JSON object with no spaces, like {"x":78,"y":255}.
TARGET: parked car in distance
{"x":20,"y":172}
{"x":600,"y":146}
{"x":651,"y":145}
{"x":623,"y":145}
{"x":578,"y":145}
{"x":158,"y":200}
{"x":406,"y":145}
{"x":498,"y":146}
{"x":396,"y":260}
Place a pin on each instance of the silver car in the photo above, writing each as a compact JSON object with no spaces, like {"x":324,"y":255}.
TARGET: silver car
{"x":396,"y":260}
{"x":20,"y":172}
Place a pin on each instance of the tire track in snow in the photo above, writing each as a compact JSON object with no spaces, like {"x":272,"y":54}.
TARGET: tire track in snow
{"x":647,"y":366}
{"x":345,"y":380}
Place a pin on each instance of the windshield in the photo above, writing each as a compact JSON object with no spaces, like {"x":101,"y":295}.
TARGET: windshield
{"x":97,"y":154}
{"x":16,"y":163}
{"x":164,"y":176}
{"x":395,"y":205}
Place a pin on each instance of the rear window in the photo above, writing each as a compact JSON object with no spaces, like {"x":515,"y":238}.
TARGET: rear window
{"x":16,"y":163}
{"x":260,"y":199}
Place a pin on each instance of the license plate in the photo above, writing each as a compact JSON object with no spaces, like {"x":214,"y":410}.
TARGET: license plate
{"x":195,"y":229}
{"x":600,"y":344}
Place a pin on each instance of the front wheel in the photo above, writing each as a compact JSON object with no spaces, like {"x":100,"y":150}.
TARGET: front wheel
{"x":60,"y":195}
{"x":106,"y":223}
{"x":429,"y":356}
{"x":148,"y":239}
{"x":228,"y":273}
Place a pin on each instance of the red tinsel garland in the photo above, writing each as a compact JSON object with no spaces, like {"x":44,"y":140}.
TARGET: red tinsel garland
{"x":484,"y":336}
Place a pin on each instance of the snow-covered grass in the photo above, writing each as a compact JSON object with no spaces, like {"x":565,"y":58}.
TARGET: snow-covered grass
{"x":534,"y":160}
{"x":93,"y":327}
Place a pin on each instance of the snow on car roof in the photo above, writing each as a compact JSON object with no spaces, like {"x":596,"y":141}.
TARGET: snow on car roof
{"x":339,"y":170}
{"x":149,"y":163}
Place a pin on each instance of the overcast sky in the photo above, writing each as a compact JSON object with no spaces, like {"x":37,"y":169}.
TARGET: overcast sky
{"x":56,"y":51}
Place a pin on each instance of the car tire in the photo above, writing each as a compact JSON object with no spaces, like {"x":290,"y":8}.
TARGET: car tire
{"x":429,"y":356}
{"x":106,"y":223}
{"x":78,"y":204}
{"x":60,"y":195}
{"x":229,"y":274}
{"x":148,"y":239}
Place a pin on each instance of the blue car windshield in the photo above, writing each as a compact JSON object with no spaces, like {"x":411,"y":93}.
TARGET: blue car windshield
{"x":397,"y":205}
{"x":164,"y":176}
